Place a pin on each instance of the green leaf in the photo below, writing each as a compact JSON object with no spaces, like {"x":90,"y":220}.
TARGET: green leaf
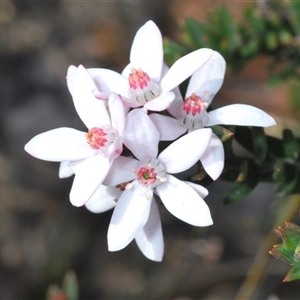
{"x":289,"y":249}
{"x":222,"y":133}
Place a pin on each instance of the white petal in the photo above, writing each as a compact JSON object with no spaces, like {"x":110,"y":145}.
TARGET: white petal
{"x":64,"y":170}
{"x":184,"y":202}
{"x":176,"y":106}
{"x":201,"y":190}
{"x":213,"y":158}
{"x":240,"y":114}
{"x":207,"y":81}
{"x":141,"y":136}
{"x":70,"y":77}
{"x":161,"y":102}
{"x":117,"y":113}
{"x":115,"y":149}
{"x":104,"y":199}
{"x":92,"y":111}
{"x":184,"y":68}
{"x":129,"y":216}
{"x":147,"y":50}
{"x":130,"y":103}
{"x":169,"y":128}
{"x":121,"y":171}
{"x":186,"y":151}
{"x":89,"y":174}
{"x":61,"y":144}
{"x":109,"y":81}
{"x":150,"y":240}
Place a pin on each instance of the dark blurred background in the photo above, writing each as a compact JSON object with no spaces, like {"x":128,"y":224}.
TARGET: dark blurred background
{"x":42,"y":235}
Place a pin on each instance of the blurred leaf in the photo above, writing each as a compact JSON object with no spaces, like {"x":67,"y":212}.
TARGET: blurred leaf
{"x":260,"y":144}
{"x":194,"y":32}
{"x":240,"y":191}
{"x":289,"y":249}
{"x":290,"y":144}
{"x":68,"y":291}
{"x":285,"y":176}
{"x":55,"y":293}
{"x":275,"y":146}
{"x":247,"y":179}
{"x":70,"y":286}
{"x":271,"y":40}
{"x":173,"y":51}
{"x":244,"y":137}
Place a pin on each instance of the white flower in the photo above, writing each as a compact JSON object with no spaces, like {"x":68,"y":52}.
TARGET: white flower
{"x":143,"y":82}
{"x":192,"y":113}
{"x":91,"y":153}
{"x":151,"y":174}
{"x":150,"y":238}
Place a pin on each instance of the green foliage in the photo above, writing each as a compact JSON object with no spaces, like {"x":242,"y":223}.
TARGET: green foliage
{"x":289,"y":250}
{"x":269,"y":29}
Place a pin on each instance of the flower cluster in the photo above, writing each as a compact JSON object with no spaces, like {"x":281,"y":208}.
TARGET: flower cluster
{"x":131,"y":113}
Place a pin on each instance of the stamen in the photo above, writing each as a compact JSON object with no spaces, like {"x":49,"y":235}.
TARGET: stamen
{"x":100,"y":138}
{"x":150,"y":172}
{"x":142,"y":88}
{"x":193,"y":114}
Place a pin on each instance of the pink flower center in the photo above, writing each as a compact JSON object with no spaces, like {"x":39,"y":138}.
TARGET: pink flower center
{"x":193,"y":105}
{"x":150,"y":172}
{"x":142,"y":88}
{"x":99,"y":138}
{"x":146,"y":175}
{"x":193,"y":114}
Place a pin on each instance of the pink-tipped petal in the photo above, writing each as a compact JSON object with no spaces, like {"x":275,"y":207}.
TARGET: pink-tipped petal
{"x":61,"y":144}
{"x":160,"y":103}
{"x":213,"y":158}
{"x":147,"y":50}
{"x":150,"y":240}
{"x":129,"y":216}
{"x":91,"y":110}
{"x":184,"y":202}
{"x":184,"y":68}
{"x":240,"y":114}
{"x":89,"y":174}
{"x":141,"y":136}
{"x":169,"y":128}
{"x":104,"y":199}
{"x":207,"y":81}
{"x":186,"y":151}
